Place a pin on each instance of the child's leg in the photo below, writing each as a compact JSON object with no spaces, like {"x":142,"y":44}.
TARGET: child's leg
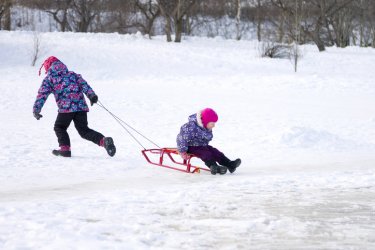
{"x":81,"y":124}
{"x":204,"y":153}
{"x":219,"y":156}
{"x":62,"y":123}
{"x":210,"y":156}
{"x":224,"y":161}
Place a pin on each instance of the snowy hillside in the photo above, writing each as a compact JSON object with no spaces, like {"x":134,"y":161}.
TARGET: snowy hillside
{"x":306,"y":140}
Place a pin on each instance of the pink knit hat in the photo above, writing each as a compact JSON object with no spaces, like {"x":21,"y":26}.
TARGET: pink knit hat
{"x":208,"y":115}
{"x":47,"y":63}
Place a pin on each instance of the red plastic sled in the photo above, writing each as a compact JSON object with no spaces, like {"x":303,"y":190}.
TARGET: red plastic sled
{"x":184,"y":166}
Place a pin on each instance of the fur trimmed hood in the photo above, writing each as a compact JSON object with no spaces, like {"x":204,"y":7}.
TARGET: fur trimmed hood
{"x":197,"y":118}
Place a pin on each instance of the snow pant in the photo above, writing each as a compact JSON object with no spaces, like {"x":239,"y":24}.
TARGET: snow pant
{"x":209,"y":155}
{"x":63,"y":121}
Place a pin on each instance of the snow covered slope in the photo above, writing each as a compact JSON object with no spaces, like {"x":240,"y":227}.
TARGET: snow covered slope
{"x":306,"y":140}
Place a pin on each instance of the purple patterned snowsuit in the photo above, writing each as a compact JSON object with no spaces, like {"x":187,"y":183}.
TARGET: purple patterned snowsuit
{"x":68,"y":89}
{"x":194,"y":139}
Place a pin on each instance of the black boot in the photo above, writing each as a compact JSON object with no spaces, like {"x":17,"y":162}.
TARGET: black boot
{"x":62,"y":153}
{"x":222,"y":169}
{"x":214,"y":168}
{"x":109,"y":146}
{"x":217,"y":169}
{"x":233,"y":165}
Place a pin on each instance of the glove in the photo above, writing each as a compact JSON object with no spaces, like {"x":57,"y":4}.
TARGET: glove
{"x":93,"y":99}
{"x":184,"y":156}
{"x":37,"y":115}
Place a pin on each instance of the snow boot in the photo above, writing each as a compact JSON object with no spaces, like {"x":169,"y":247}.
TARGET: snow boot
{"x":223,"y":169}
{"x":109,"y":146}
{"x":217,"y":169}
{"x":214,"y":168}
{"x":233,"y":165}
{"x":64,"y":151}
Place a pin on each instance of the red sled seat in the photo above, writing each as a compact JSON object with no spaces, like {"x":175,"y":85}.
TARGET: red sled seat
{"x":172,"y":161}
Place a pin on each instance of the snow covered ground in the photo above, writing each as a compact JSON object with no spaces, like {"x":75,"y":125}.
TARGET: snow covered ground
{"x":306,"y":140}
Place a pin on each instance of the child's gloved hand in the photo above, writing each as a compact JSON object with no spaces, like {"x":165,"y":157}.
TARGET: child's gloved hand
{"x":93,"y":99}
{"x":184,"y":156}
{"x":37,"y":115}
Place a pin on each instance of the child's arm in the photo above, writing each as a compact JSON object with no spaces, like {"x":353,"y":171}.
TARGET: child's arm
{"x":184,"y":138}
{"x":86,"y":89}
{"x":42,"y":96}
{"x":182,"y":144}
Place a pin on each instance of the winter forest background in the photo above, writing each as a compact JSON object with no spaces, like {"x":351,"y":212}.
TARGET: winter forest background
{"x":321,"y":22}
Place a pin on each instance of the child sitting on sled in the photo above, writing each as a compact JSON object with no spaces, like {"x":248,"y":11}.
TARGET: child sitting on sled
{"x":194,"y":137}
{"x":68,"y":89}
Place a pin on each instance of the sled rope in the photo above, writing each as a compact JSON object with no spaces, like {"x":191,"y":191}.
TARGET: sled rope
{"x":122,"y":123}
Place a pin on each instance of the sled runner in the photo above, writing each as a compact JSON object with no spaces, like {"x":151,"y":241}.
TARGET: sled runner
{"x":167,"y":157}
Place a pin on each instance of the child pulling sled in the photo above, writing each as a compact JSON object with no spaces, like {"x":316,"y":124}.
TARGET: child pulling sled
{"x":68,"y":89}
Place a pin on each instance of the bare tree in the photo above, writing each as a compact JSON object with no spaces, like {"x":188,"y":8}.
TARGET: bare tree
{"x":259,"y":18}
{"x":5,"y":14}
{"x":175,"y":10}
{"x":313,"y":28}
{"x":366,"y":12}
{"x":150,"y":11}
{"x":372,"y":23}
{"x":60,"y":14}
{"x":167,"y":8}
{"x":317,"y":16}
{"x":84,"y":13}
{"x":116,"y":16}
{"x":238,"y":19}
{"x":58,"y":9}
{"x":36,"y":48}
{"x":183,"y":8}
{"x":281,"y":18}
{"x":362,"y":7}
{"x":339,"y":20}
{"x":209,"y":17}
{"x":2,"y":11}
{"x":295,"y":54}
{"x":342,"y":24}
{"x":258,"y":12}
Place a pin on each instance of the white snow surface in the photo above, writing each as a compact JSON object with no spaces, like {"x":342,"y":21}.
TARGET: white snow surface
{"x":306,"y":140}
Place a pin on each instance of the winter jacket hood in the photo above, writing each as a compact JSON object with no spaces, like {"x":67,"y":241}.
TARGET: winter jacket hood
{"x":196,"y":118}
{"x":57,"y":68}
